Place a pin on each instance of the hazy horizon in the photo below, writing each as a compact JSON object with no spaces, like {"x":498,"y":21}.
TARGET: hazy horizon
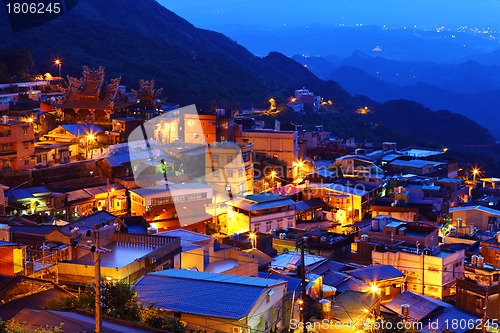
{"x":391,"y":13}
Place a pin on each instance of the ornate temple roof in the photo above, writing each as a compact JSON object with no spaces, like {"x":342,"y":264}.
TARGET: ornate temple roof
{"x":147,"y":94}
{"x":92,"y":92}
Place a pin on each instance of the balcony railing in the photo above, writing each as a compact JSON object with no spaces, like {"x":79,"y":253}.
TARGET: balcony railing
{"x":149,"y":240}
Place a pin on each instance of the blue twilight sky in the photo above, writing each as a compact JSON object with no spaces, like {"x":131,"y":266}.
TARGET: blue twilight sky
{"x":393,"y":13}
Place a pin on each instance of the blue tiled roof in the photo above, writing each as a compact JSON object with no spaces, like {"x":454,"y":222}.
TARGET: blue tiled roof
{"x":201,"y":293}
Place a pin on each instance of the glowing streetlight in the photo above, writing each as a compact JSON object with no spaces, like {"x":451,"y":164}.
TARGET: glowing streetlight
{"x":374,"y":289}
{"x":475,"y":172}
{"x":252,"y":239}
{"x":273,"y":174}
{"x":58,"y":63}
{"x":273,"y":103}
{"x":90,"y":137}
{"x":30,"y":119}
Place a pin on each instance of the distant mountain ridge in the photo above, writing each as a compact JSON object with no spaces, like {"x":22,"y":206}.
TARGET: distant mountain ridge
{"x":469,"y":88}
{"x":142,"y":39}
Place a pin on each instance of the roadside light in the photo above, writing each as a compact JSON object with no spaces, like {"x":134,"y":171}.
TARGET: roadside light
{"x":374,"y":289}
{"x":90,"y":137}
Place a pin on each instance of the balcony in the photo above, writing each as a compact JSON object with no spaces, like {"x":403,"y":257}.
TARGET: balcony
{"x":8,"y":153}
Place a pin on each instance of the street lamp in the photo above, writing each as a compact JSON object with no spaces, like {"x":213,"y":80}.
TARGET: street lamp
{"x":252,"y":238}
{"x":475,"y":172}
{"x":58,"y":63}
{"x":90,"y":137}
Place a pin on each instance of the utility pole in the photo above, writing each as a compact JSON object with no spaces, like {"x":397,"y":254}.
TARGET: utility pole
{"x":485,"y":316}
{"x":303,"y":240}
{"x":94,"y":237}
{"x":423,"y":272}
{"x":43,"y":254}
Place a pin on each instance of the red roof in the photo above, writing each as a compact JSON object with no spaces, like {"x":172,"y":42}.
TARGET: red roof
{"x":287,"y":190}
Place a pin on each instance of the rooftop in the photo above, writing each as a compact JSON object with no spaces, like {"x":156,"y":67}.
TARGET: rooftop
{"x":82,"y":129}
{"x":291,"y":259}
{"x":158,"y":189}
{"x":186,"y":236}
{"x":478,"y":207}
{"x":411,"y":164}
{"x":121,"y":255}
{"x":431,"y":310}
{"x":88,"y":222}
{"x":261,"y":201}
{"x":209,"y":294}
{"x":351,"y":305}
{"x":376,"y":273}
{"x":417,"y":152}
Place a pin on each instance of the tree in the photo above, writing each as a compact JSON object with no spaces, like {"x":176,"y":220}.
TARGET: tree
{"x":120,"y":301}
{"x":17,"y":60}
{"x":156,"y":318}
{"x":71,"y":303}
{"x":15,"y":327}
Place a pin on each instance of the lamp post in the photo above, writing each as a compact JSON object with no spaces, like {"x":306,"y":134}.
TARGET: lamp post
{"x":273,"y":175}
{"x":90,"y":137}
{"x":474,"y":172}
{"x":58,"y":63}
{"x":252,"y":239}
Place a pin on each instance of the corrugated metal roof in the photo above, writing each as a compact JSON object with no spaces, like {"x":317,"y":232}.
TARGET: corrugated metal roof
{"x":376,"y":273}
{"x":294,"y":284}
{"x":117,"y":160}
{"x":222,"y":278}
{"x":291,"y":257}
{"x":351,"y":305}
{"x":419,"y":306}
{"x":411,"y":164}
{"x":208,"y":294}
{"x":261,"y":201}
{"x":352,"y":284}
{"x":78,"y":195}
{"x":480,"y":208}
